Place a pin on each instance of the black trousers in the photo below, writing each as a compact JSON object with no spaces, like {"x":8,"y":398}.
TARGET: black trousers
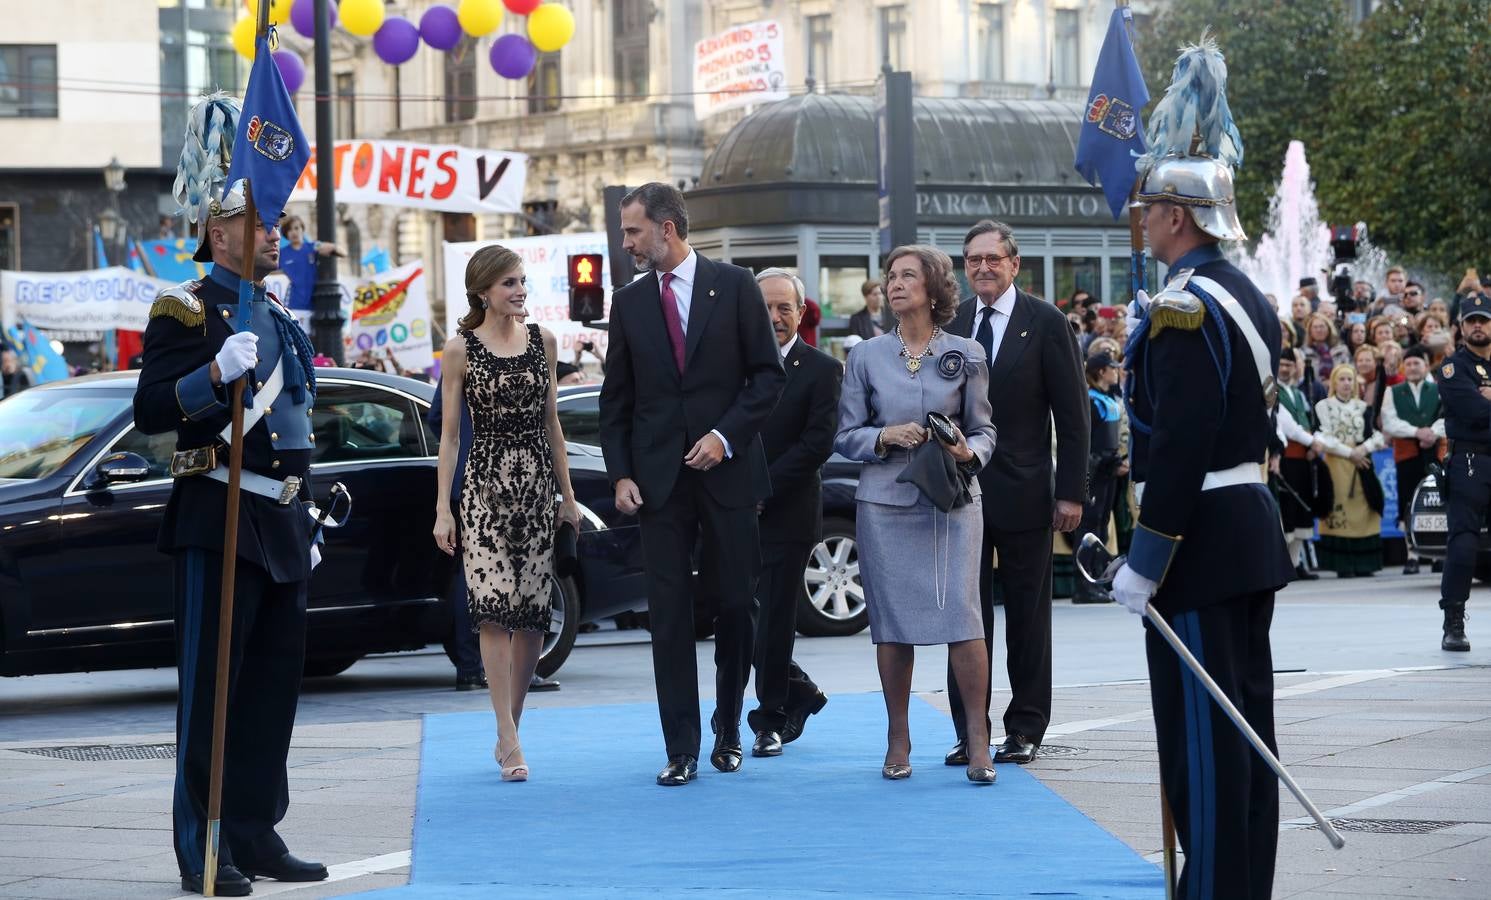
{"x":1469,"y":496}
{"x":265,"y":664}
{"x":1410,"y":472}
{"x":1025,"y":575}
{"x":464,"y":642}
{"x":668,"y":536}
{"x":1223,"y":796}
{"x":781,"y":686}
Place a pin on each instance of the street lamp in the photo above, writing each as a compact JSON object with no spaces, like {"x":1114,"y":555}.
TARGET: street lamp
{"x":114,"y":176}
{"x":110,"y":222}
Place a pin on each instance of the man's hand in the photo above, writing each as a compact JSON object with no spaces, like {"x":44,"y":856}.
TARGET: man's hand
{"x":706,"y":454}
{"x":1486,"y":392}
{"x":1273,"y":464}
{"x":238,"y":354}
{"x":1132,"y":590}
{"x":628,"y":497}
{"x":1067,"y":516}
{"x":1318,"y":447}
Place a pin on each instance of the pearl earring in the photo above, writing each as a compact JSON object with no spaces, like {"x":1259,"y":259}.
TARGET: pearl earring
{"x":483,"y":302}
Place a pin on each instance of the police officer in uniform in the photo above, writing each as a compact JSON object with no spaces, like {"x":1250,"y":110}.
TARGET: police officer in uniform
{"x":1465,"y":392}
{"x":193,"y":352}
{"x":1202,"y":364}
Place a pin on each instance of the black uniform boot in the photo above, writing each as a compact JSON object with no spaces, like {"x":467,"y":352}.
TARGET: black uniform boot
{"x":1454,"y":629}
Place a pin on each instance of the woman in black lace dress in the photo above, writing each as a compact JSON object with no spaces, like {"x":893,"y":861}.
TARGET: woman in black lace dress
{"x":504,"y":370}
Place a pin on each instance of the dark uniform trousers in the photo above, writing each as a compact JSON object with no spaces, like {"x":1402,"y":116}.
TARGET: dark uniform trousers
{"x":1024,"y":573}
{"x":268,"y":654}
{"x":1213,"y":779}
{"x":669,"y":534}
{"x":780,"y":684}
{"x":1468,"y":497}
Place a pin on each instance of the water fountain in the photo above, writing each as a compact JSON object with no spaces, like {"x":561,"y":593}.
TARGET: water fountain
{"x":1296,"y":243}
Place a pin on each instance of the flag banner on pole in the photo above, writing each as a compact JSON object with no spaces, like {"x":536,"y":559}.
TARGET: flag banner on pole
{"x":270,"y":149}
{"x":1111,"y":134}
{"x":102,"y":262}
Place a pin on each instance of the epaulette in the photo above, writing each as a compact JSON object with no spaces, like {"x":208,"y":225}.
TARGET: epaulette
{"x":181,"y":303}
{"x":1175,"y":307}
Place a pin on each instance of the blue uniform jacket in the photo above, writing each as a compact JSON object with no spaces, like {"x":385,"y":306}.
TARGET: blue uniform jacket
{"x":1196,"y":407}
{"x":175,"y":393}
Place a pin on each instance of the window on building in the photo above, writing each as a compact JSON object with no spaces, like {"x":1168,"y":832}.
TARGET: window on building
{"x":1072,"y":273}
{"x":1066,"y":55}
{"x":632,"y":20}
{"x":346,"y":106}
{"x":820,"y":43}
{"x":893,"y":36}
{"x":989,"y":33}
{"x":28,"y":81}
{"x":10,"y":236}
{"x":543,"y":84}
{"x":460,"y":84}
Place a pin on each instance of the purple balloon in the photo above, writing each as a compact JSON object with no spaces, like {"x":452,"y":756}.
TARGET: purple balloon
{"x":396,"y":41}
{"x":292,"y":69}
{"x":440,"y":27}
{"x":513,"y":56}
{"x":303,"y":17}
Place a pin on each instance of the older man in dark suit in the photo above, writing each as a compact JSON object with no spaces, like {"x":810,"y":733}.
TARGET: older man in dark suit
{"x":799,"y":439}
{"x":692,"y":373}
{"x":1035,"y":378}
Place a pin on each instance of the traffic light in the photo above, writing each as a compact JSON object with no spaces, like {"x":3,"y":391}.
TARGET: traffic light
{"x":587,"y":296}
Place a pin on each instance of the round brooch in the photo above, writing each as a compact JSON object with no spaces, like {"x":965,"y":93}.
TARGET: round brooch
{"x":950,"y":364}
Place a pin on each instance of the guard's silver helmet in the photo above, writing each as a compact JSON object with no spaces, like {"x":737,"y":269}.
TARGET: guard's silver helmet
{"x":1200,"y":184}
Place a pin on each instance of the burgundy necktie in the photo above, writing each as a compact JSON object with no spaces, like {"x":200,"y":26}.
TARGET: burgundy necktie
{"x":670,"y":316}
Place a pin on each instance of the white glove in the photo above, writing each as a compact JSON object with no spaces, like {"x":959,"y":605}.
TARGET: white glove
{"x":1141,"y":302}
{"x":1132,"y":590}
{"x":315,"y":556}
{"x":238,"y":355}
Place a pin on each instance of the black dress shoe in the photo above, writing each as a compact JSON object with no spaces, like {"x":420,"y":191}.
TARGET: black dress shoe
{"x":768,"y":743}
{"x":958,"y":756}
{"x":1411,"y":567}
{"x":477,"y":682}
{"x":230,"y":883}
{"x":797,"y":719}
{"x":726,"y":755}
{"x":286,"y":868}
{"x":680,"y":770}
{"x":1017,"y":748}
{"x":538,"y":684}
{"x":1303,"y":574}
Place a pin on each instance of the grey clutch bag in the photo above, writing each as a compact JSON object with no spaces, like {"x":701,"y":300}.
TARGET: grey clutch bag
{"x":934,"y":472}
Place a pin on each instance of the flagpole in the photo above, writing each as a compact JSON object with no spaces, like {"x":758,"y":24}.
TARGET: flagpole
{"x":230,"y":541}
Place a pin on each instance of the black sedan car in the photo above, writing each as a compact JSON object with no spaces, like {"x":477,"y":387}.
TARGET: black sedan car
{"x":82,"y":586}
{"x":1427,"y":526}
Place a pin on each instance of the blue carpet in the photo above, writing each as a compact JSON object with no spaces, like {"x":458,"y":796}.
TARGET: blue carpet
{"x":817,"y":821}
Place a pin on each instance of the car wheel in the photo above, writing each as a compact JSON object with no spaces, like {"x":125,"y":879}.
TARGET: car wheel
{"x":833,"y":600}
{"x":327,"y":666}
{"x":564,"y":624}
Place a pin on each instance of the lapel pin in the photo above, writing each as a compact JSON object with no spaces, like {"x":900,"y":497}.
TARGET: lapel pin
{"x":1024,"y":333}
{"x":797,"y":362}
{"x":711,"y":292}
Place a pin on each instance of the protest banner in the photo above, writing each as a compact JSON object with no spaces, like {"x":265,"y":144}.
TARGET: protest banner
{"x":79,"y":306}
{"x":425,"y":176}
{"x":739,"y":67}
{"x":391,"y":314}
{"x":546,"y":265}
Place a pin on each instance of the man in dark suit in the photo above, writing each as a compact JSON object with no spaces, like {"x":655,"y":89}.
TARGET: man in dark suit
{"x":867,"y":322}
{"x":1035,"y":378}
{"x":799,"y":439}
{"x":692,"y":374}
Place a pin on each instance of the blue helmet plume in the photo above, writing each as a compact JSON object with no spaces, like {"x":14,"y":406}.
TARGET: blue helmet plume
{"x":1195,"y":108}
{"x":205,"y":154}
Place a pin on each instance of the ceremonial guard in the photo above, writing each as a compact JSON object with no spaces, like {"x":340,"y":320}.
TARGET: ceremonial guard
{"x":1465,"y":391}
{"x":1301,"y":480}
{"x":1207,"y":550}
{"x":193,"y":352}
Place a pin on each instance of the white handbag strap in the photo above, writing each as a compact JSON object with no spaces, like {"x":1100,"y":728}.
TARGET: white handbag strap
{"x":263,"y":399}
{"x":1244,"y":323}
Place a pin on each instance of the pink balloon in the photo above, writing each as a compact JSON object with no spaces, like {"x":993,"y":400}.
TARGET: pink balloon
{"x":292,"y":70}
{"x":303,"y":17}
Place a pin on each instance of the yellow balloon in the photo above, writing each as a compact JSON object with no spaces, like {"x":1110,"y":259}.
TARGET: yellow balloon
{"x":242,"y":36}
{"x":361,"y":17}
{"x":550,"y":27}
{"x":479,"y":17}
{"x":279,"y":10}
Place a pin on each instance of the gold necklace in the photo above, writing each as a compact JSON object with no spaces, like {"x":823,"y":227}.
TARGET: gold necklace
{"x":914,"y":362}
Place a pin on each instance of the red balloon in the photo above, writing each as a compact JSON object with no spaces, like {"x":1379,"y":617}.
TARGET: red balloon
{"x":522,"y":7}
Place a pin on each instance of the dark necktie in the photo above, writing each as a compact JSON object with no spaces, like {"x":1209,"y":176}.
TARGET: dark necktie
{"x":985,"y":333}
{"x":672,"y":320}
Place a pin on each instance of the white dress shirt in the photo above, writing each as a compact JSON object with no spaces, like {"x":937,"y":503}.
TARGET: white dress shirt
{"x":1004,"y":307}
{"x":683,"y":296}
{"x":786,"y":348}
{"x":1395,"y":426}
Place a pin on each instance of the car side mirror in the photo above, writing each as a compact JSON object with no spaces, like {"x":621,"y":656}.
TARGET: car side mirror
{"x":120,"y":468}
